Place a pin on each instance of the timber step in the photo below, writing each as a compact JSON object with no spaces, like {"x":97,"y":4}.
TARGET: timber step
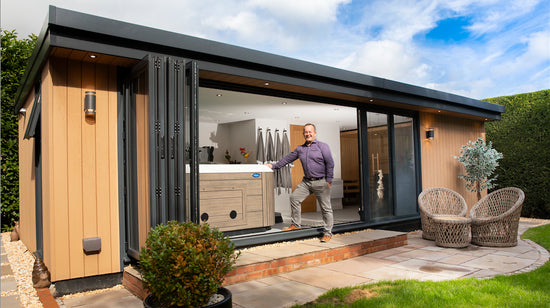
{"x":263,"y":261}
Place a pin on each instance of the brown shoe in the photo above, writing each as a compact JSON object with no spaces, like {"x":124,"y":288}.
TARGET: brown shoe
{"x":291,"y":228}
{"x":325,"y":238}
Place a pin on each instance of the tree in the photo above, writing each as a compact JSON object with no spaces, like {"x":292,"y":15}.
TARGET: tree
{"x":15,"y":54}
{"x":480,"y":161}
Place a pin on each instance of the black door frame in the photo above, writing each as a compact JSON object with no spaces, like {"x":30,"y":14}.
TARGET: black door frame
{"x":172,"y":87}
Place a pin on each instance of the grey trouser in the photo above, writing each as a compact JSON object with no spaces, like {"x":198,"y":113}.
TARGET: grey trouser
{"x":322,"y":191}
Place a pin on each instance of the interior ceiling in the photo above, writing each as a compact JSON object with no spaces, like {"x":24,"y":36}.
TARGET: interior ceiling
{"x":223,"y":106}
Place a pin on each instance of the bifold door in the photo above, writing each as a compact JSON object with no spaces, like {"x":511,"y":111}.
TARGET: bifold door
{"x":160,"y":146}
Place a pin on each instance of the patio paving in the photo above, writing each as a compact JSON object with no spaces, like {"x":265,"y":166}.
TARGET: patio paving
{"x":420,"y":259}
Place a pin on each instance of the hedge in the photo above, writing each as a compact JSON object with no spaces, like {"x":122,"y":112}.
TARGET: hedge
{"x":523,"y":137}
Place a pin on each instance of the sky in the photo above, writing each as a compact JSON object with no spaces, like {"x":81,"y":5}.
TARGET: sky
{"x":474,"y":48}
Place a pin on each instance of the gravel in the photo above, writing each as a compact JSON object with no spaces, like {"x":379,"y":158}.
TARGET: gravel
{"x":21,"y":262}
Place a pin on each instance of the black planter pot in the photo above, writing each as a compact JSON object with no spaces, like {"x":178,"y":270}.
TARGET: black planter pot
{"x":227,"y":302}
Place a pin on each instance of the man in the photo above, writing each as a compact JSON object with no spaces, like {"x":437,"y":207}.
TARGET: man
{"x":318,"y":173}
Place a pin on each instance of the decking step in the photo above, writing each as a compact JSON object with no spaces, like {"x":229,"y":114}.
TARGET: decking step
{"x":263,"y":261}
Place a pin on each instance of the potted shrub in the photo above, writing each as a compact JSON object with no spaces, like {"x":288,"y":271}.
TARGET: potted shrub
{"x":184,"y":265}
{"x":480,"y":161}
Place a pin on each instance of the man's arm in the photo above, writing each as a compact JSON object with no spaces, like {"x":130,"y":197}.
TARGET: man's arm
{"x":329,"y":163}
{"x":285,"y":160}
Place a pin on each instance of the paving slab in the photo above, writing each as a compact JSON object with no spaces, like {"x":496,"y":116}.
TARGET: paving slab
{"x":456,"y":259}
{"x":393,"y":273}
{"x":8,"y":284}
{"x":324,"y":278}
{"x":111,"y":299}
{"x":6,"y":270}
{"x":357,"y":265}
{"x":499,"y":264}
{"x":10,"y":301}
{"x":278,"y":295}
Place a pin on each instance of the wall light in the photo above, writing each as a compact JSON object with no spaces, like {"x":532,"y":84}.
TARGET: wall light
{"x":89,"y":104}
{"x":23,"y":111}
{"x":430,"y":134}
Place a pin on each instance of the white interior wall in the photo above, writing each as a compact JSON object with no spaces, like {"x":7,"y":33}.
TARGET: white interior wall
{"x":234,"y":135}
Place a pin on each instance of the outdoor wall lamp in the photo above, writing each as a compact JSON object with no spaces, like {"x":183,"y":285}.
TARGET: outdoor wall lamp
{"x":430,"y":134}
{"x":89,"y":104}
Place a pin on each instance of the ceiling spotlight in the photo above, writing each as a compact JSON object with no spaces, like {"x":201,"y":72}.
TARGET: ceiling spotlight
{"x":92,"y":56}
{"x":219,"y":95}
{"x":284,"y":103}
{"x":266,"y":83}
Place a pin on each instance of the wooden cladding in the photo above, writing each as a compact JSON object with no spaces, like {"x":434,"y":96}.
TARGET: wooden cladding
{"x":80,"y":171}
{"x":27,"y":180}
{"x":439,"y":167}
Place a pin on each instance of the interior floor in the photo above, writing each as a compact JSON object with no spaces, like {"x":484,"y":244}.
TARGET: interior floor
{"x":348,"y":213}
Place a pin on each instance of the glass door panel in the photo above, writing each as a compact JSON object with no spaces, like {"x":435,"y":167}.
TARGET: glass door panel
{"x":405,"y":168}
{"x":380,"y":183}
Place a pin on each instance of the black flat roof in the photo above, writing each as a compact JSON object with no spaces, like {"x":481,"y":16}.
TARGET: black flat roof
{"x":74,"y":30}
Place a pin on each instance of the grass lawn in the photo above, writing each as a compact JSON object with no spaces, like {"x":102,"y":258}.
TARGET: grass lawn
{"x":530,"y":289}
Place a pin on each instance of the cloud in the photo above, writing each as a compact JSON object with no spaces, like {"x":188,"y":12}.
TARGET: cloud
{"x":506,"y":49}
{"x":494,"y":16}
{"x":386,"y":59}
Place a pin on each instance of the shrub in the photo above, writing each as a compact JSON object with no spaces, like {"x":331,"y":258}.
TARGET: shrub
{"x":480,"y":161}
{"x":183,"y":264}
{"x":15,"y":54}
{"x":523,"y":136}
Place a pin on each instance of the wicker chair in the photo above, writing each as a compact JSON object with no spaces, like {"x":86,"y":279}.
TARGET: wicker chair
{"x":495,"y":218}
{"x":439,"y":201}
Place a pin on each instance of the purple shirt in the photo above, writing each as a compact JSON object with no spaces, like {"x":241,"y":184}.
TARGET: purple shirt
{"x":316,"y":160}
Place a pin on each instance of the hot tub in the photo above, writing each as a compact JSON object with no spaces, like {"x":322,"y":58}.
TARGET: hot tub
{"x":236,"y":196}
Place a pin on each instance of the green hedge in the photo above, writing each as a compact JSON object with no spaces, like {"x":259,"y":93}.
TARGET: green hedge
{"x":15,"y":54}
{"x":523,"y":137}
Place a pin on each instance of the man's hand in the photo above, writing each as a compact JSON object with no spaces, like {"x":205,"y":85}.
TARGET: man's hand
{"x":329,"y":184}
{"x":269,"y":165}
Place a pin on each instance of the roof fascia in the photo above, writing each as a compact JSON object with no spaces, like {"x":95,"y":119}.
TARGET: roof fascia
{"x":135,"y":41}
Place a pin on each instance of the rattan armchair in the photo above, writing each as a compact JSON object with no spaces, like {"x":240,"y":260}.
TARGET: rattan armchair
{"x":438,"y":201}
{"x":495,"y":218}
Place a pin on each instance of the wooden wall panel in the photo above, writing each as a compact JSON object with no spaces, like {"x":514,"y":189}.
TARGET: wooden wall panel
{"x":439,"y":167}
{"x":80,"y":169}
{"x":60,"y":205}
{"x":349,"y":149}
{"x":74,"y":92}
{"x":89,"y":170}
{"x":113,"y":166}
{"x":27,"y":191}
{"x":103,"y":185}
{"x":47,"y":170}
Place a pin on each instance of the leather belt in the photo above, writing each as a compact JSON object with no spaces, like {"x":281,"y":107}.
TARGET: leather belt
{"x":314,"y":179}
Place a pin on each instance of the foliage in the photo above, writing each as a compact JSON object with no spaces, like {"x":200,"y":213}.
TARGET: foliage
{"x":183,"y":264}
{"x":480,"y":161}
{"x":521,"y":290}
{"x":523,"y":136}
{"x":15,"y":54}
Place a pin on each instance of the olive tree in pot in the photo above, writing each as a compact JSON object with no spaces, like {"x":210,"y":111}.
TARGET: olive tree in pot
{"x":184,"y":265}
{"x":480,"y":161}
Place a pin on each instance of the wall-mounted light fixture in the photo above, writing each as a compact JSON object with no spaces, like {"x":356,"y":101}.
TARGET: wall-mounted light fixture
{"x":23,"y":111}
{"x":430,"y":134}
{"x":89,"y":104}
